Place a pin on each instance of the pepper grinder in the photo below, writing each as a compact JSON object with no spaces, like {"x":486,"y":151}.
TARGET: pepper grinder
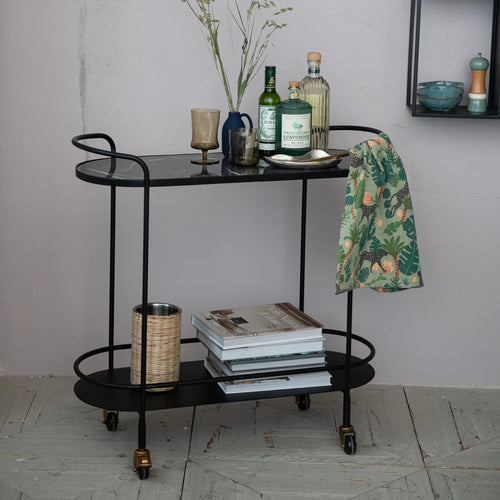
{"x":477,"y":94}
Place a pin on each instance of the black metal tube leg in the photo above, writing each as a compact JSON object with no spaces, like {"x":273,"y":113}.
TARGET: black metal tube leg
{"x":303,"y":401}
{"x":346,"y":430}
{"x":303,"y":222}
{"x":141,"y":435}
{"x":144,"y":334}
{"x":112,"y":253}
{"x":348,"y":352}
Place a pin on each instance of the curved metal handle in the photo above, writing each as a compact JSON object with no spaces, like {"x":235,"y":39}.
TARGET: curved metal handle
{"x":112,"y":153}
{"x":82,"y":137}
{"x":356,"y":127}
{"x":248,"y":118}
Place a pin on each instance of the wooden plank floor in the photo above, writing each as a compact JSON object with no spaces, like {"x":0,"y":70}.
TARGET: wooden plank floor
{"x":413,"y":443}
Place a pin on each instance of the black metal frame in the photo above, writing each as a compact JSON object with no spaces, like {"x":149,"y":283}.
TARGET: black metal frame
{"x":493,"y":110}
{"x":108,"y":379}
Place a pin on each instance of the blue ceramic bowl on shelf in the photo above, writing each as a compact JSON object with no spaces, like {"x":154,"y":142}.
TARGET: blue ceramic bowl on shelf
{"x":439,"y":103}
{"x":440,"y":95}
{"x":441,"y":83}
{"x":438,"y":91}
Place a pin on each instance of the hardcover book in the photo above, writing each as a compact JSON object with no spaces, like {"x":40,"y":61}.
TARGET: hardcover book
{"x":297,"y":381}
{"x":225,"y":367}
{"x":279,"y":362}
{"x":260,"y":350}
{"x":258,"y":325}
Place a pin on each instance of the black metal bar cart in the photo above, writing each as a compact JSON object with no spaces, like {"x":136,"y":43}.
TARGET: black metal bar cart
{"x":110,"y":389}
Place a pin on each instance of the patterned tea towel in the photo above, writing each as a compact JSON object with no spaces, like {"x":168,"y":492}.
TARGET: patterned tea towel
{"x":378,"y":242}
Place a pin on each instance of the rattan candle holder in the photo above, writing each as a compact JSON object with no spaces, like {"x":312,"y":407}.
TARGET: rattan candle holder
{"x":163,"y":344}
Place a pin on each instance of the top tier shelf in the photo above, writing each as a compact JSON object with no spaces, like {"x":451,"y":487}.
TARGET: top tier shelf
{"x":177,"y":170}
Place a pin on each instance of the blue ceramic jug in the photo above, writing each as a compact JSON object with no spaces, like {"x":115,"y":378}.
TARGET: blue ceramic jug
{"x":234,"y":120}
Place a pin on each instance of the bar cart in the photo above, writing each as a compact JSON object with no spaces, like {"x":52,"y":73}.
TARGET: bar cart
{"x":110,"y":389}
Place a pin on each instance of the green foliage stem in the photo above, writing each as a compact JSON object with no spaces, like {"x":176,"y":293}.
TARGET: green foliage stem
{"x":254,"y":42}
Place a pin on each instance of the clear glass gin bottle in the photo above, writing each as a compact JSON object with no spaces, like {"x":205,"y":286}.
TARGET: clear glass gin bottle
{"x":315,"y":90}
{"x":293,"y":124}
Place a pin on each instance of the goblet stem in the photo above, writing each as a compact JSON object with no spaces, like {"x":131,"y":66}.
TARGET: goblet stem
{"x":204,"y":172}
{"x":204,"y":162}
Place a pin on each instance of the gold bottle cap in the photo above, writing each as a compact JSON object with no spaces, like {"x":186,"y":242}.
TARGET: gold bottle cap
{"x":314,"y":56}
{"x":294,"y":85}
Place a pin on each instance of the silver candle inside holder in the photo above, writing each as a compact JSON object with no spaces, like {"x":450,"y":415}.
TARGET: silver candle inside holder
{"x":244,"y":146}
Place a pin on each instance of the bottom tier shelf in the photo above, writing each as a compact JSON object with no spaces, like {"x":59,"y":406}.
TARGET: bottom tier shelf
{"x":201,"y":394}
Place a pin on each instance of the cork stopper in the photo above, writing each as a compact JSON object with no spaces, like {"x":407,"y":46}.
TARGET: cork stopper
{"x":294,"y":85}
{"x":314,"y":56}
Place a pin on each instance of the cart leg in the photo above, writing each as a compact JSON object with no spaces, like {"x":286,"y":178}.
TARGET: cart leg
{"x":303,"y":401}
{"x":142,"y":460}
{"x":110,"y":419}
{"x":142,"y":463}
{"x":348,"y":439}
{"x":346,"y":430}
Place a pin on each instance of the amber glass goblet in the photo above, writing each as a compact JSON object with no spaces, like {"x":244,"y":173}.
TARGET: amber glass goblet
{"x":205,"y":124}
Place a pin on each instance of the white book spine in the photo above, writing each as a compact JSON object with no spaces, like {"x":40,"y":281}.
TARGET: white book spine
{"x":266,"y":350}
{"x":306,"y":380}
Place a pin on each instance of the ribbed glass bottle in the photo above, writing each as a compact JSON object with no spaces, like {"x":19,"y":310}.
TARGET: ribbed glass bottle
{"x":293,"y":124}
{"x":315,"y":90}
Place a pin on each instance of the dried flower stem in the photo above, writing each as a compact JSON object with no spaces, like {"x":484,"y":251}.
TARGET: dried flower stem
{"x":254,"y":47}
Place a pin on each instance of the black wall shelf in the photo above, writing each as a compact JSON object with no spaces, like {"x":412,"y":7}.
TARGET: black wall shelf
{"x":493,"y":109}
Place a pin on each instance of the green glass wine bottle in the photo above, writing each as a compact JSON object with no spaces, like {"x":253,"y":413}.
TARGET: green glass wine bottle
{"x":293,"y":124}
{"x":268,"y":101}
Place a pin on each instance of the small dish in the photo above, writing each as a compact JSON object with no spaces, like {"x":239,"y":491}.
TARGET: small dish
{"x":440,"y":91}
{"x":439,"y":103}
{"x":316,"y":158}
{"x":441,"y":83}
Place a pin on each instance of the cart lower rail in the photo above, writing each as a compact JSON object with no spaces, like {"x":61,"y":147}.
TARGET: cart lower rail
{"x":112,"y":388}
{"x":200,"y":394}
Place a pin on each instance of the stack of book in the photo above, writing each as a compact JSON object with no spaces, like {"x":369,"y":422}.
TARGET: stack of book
{"x":253,"y":340}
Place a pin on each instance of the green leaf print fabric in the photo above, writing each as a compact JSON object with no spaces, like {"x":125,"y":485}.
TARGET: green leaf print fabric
{"x":378,"y":241}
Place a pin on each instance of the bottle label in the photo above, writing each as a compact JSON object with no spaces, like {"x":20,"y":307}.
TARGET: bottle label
{"x":267,"y":125}
{"x":296,"y":131}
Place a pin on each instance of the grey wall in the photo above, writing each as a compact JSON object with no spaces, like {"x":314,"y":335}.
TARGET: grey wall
{"x":133,"y":69}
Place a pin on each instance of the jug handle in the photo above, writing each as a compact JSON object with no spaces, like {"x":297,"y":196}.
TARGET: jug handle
{"x":248,"y":118}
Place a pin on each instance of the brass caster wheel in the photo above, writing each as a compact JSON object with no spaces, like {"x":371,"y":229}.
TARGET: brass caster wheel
{"x":142,"y":463}
{"x":110,"y":419}
{"x":348,"y":439}
{"x":143,"y":473}
{"x":303,"y":401}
